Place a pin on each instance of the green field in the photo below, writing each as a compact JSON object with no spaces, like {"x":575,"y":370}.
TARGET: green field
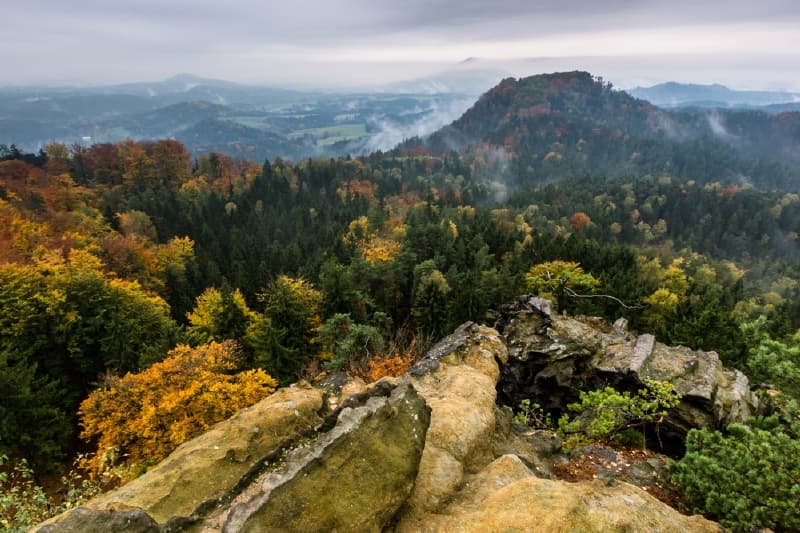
{"x":252,"y":122}
{"x":332,"y":134}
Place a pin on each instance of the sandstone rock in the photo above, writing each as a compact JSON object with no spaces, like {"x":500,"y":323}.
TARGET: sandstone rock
{"x":205,"y":471}
{"x":85,"y":520}
{"x":506,"y":497}
{"x":501,"y":472}
{"x":355,"y":386}
{"x":621,"y":327}
{"x":338,"y":386}
{"x":470,"y":344}
{"x":352,"y":478}
{"x":537,"y":449}
{"x":457,"y":378}
{"x":734,"y":401}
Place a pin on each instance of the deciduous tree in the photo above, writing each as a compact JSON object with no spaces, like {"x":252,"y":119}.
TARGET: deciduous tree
{"x":559,"y":280}
{"x":140,"y":418}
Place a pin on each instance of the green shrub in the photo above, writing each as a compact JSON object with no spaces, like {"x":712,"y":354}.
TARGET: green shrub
{"x":532,"y":415}
{"x":604,"y":415}
{"x":348,"y":342}
{"x":23,"y":503}
{"x":778,"y":363}
{"x":745,"y":479}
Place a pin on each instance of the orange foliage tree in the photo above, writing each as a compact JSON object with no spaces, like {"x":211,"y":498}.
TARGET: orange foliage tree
{"x":579,"y":220}
{"x":140,"y":418}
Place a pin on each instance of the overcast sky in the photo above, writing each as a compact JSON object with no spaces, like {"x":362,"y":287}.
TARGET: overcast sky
{"x":357,"y":43}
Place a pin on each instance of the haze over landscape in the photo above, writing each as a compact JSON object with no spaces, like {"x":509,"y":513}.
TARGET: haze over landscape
{"x":357,"y":44}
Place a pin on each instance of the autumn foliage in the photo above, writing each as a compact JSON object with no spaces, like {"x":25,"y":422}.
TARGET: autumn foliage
{"x":375,"y":247}
{"x":140,"y":418}
{"x":579,"y":220}
{"x":395,"y":366}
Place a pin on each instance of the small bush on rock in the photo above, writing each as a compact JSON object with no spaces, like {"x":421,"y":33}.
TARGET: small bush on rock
{"x":604,"y":415}
{"x":532,"y":415}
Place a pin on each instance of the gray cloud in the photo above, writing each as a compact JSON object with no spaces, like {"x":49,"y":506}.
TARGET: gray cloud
{"x":323,"y":42}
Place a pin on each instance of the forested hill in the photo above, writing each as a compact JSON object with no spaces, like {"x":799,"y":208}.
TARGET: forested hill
{"x":570,"y":124}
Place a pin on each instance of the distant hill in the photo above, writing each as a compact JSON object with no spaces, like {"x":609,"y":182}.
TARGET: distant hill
{"x":187,"y":87}
{"x":561,"y":98}
{"x":30,"y":120}
{"x":309,"y":123}
{"x":673,"y":94}
{"x":175,"y":84}
{"x":218,"y":134}
{"x":26,"y":133}
{"x":570,"y":124}
{"x":167,"y":121}
{"x":781,"y":108}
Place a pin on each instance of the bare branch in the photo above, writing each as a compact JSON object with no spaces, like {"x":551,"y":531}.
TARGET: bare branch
{"x":569,"y":292}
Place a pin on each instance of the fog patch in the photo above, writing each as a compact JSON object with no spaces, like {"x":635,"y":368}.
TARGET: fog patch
{"x":493,"y":166}
{"x":743,"y":180}
{"x":714,"y":120}
{"x":386,"y":132}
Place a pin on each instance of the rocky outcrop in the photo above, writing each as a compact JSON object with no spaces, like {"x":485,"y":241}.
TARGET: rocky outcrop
{"x":277,"y":466}
{"x":481,"y":473}
{"x":506,"y":496}
{"x":434,"y":450}
{"x":552,"y":358}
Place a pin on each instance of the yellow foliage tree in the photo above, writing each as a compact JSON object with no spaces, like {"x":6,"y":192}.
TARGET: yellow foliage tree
{"x":219,"y":315}
{"x":376,"y":246}
{"x":140,"y":418}
{"x":559,"y":279}
{"x":379,"y":250}
{"x":662,"y":303}
{"x":674,"y":278}
{"x":672,"y":283}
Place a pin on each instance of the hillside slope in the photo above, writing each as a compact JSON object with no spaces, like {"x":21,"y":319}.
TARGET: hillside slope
{"x":673,"y":94}
{"x":570,"y":124}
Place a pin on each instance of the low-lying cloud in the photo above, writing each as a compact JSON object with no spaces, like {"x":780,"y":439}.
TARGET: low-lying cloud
{"x":717,"y":126}
{"x":388,"y":133}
